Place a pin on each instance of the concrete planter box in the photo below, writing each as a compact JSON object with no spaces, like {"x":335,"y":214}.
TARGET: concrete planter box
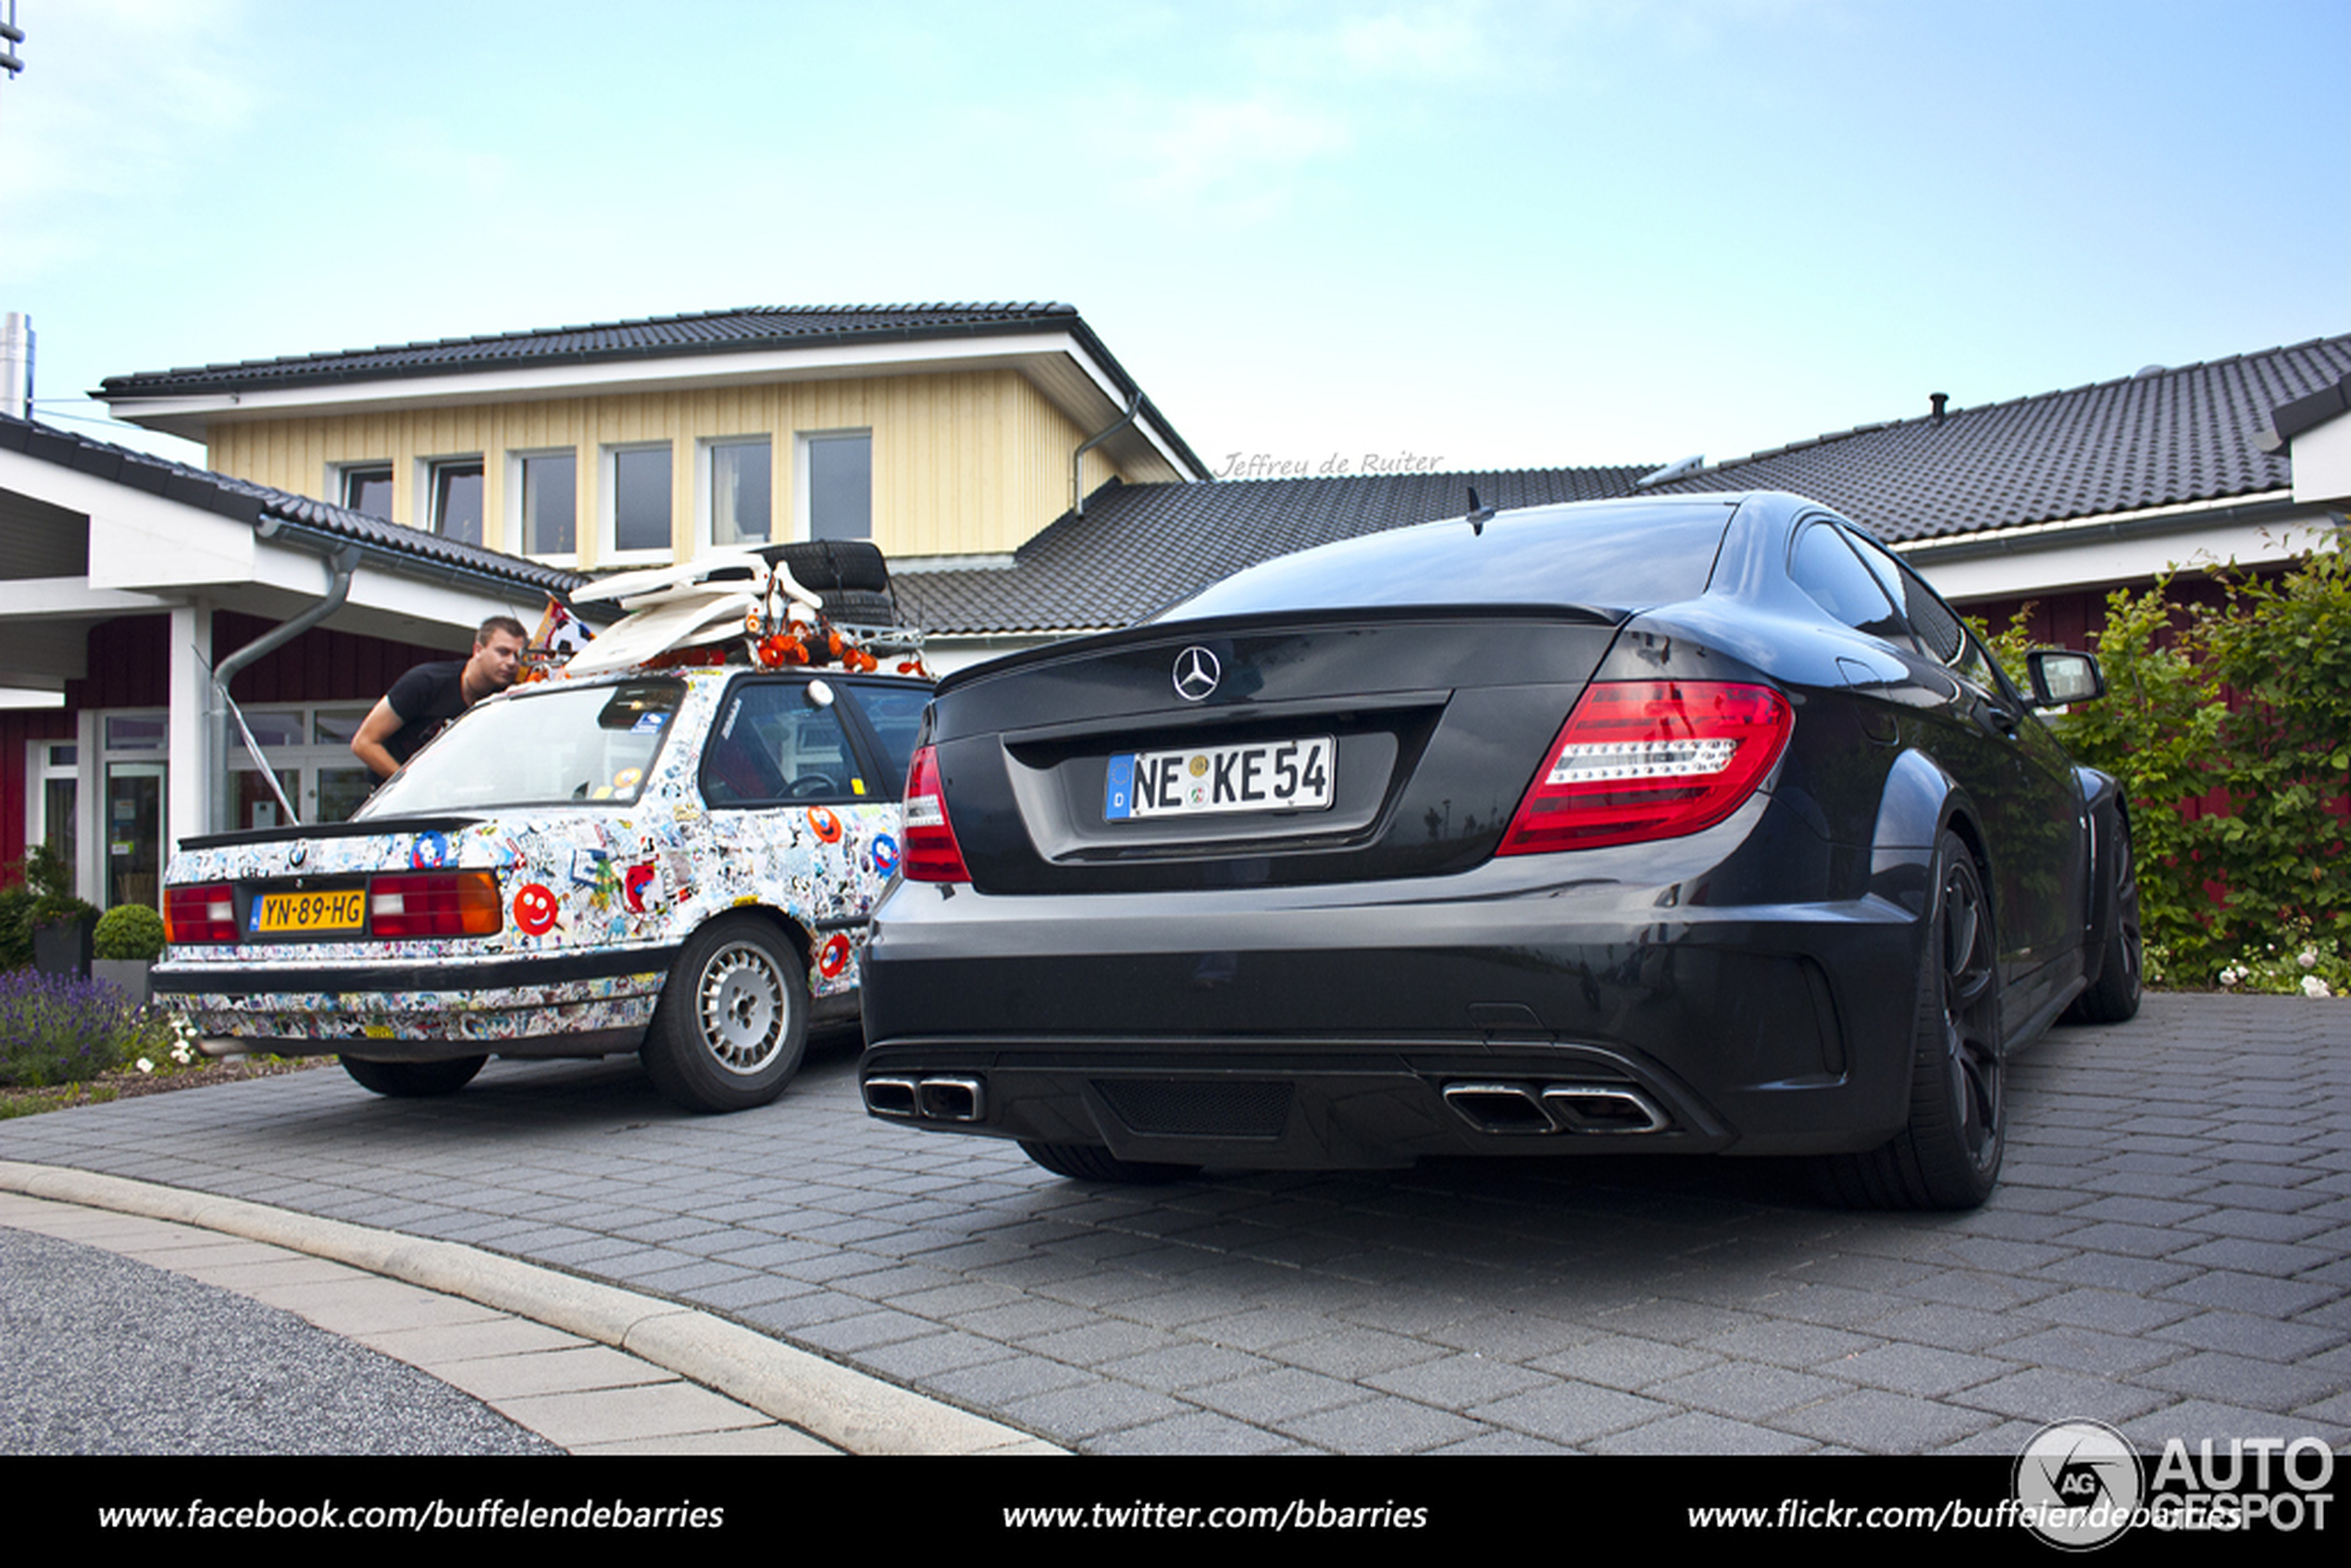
{"x":127,"y":976}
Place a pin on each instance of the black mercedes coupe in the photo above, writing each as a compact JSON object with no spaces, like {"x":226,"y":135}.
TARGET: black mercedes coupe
{"x":1696,"y":824}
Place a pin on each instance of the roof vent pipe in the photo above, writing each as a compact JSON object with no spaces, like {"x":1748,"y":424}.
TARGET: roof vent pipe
{"x":1938,"y":400}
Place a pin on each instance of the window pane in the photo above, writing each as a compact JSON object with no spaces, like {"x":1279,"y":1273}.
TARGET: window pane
{"x":256,"y":806}
{"x":59,"y":798}
{"x":840,"y":487}
{"x":143,"y":733}
{"x":772,"y":746}
{"x":337,"y":725}
{"x":341,"y":791}
{"x":640,"y":498}
{"x":739,"y":491}
{"x":550,"y":505}
{"x":268,"y":729}
{"x":369,"y":490}
{"x":456,"y":500}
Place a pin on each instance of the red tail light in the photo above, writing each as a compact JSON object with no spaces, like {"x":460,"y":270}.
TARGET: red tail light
{"x":205,"y":911}
{"x":434,"y":903}
{"x":932,"y":855}
{"x":1650,"y":759}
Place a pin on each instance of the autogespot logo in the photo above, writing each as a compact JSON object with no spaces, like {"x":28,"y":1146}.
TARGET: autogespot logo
{"x":1196,"y":673}
{"x":2079,"y":1484}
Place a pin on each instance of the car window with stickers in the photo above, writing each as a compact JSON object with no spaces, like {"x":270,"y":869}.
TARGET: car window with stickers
{"x":557,"y":744}
{"x":772,"y":744}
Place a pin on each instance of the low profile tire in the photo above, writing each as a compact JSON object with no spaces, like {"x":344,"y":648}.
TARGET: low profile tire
{"x":733,"y":1019}
{"x":1949,"y":1155}
{"x":2115,"y":996}
{"x":1083,"y":1162}
{"x":413,"y":1081}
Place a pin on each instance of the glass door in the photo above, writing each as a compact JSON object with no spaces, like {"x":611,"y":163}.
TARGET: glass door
{"x":134,"y":832}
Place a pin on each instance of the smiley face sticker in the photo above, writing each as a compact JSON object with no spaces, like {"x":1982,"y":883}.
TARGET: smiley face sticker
{"x":430,"y":851}
{"x":826,"y":822}
{"x":885,"y":855}
{"x":535,"y":909}
{"x":834,"y":956}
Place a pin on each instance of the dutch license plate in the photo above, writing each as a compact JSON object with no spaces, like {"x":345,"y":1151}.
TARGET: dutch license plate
{"x":1266,"y":776}
{"x":338,"y":909}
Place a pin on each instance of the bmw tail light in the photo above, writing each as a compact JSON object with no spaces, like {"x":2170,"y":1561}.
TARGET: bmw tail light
{"x":434,"y":903}
{"x":932,"y":855}
{"x":202,"y":911}
{"x":1650,"y":759}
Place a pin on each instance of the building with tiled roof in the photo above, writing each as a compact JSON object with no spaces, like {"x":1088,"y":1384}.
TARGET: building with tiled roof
{"x":928,"y":429}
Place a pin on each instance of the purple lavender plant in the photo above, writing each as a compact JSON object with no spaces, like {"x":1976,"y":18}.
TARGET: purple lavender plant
{"x":56,"y":1029}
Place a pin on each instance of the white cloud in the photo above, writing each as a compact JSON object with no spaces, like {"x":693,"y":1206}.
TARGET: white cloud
{"x":1436,"y":43}
{"x":1236,"y":156}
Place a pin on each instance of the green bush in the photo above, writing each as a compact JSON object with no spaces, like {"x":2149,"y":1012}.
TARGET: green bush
{"x":2230,"y":727}
{"x":130,"y":930}
{"x":15,"y":926}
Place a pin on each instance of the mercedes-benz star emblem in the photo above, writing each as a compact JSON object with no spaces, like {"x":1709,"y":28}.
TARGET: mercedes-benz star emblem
{"x":1196,"y":673}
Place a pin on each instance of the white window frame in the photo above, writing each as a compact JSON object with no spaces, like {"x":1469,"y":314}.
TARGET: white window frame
{"x":706,"y":489}
{"x":803,"y":519}
{"x":39,"y":771}
{"x":98,"y":844}
{"x":339,"y":477}
{"x":518,"y":521}
{"x":608,"y":551}
{"x":428,"y":490}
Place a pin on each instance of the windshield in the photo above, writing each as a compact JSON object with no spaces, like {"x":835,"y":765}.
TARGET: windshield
{"x":557,"y":744}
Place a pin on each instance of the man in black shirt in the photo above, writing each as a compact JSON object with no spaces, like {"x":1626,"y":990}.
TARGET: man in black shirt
{"x":430,"y":695}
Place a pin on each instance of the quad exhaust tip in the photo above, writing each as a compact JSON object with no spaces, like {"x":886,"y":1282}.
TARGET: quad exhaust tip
{"x":927,"y":1099}
{"x":1527,"y":1109}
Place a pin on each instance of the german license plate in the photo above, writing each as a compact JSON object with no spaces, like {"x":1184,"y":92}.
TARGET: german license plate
{"x":299,"y":914}
{"x":1265,"y":775}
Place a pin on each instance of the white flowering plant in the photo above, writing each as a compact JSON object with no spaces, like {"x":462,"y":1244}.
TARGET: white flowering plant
{"x":2299,"y":964}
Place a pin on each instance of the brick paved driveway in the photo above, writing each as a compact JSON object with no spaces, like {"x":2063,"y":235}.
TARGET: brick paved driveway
{"x":2169,"y":1250}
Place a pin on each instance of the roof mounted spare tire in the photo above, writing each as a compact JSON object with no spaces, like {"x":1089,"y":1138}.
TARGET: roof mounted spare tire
{"x":823,"y":565}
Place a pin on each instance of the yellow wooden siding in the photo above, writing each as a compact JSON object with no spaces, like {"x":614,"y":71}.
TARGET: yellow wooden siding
{"x":963,"y":462}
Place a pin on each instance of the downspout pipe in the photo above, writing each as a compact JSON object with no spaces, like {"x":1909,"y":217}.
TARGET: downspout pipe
{"x":1077,"y":496}
{"x":341,"y":566}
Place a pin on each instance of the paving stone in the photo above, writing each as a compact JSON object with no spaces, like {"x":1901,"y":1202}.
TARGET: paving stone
{"x":2171,"y":1243}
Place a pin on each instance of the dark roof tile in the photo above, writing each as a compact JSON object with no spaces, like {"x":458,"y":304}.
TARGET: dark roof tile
{"x":1140,"y":548}
{"x":652,"y":337}
{"x":2160,"y":439}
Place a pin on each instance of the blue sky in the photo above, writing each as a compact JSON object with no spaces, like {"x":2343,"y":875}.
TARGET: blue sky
{"x":1494,"y":235}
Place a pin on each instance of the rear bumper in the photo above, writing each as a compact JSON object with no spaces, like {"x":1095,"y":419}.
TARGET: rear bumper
{"x":1282,"y":1027}
{"x":424,"y":1010}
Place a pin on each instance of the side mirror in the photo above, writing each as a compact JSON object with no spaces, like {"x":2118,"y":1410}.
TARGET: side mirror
{"x":2061,"y":677}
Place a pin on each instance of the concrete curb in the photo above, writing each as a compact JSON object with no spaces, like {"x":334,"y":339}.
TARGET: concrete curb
{"x":846,"y":1409}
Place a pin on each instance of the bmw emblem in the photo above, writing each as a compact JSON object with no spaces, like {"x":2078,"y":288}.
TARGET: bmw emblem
{"x":1196,"y":673}
{"x":299,"y":853}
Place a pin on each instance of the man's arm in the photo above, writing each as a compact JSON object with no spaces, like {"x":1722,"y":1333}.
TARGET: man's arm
{"x":379,"y":727}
